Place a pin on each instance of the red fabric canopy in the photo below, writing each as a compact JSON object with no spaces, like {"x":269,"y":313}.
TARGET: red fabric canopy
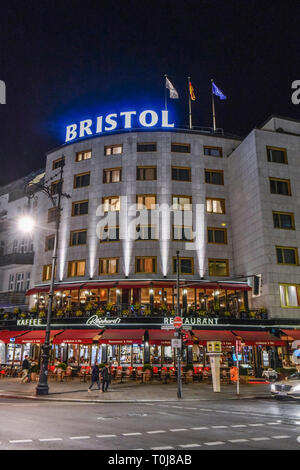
{"x":36,"y":336}
{"x":122,"y":337}
{"x":5,"y":335}
{"x":226,"y":337}
{"x":259,"y":338}
{"x":77,"y":337}
{"x":295,"y":334}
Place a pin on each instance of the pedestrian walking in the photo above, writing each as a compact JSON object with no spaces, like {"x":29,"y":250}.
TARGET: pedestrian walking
{"x":105,"y":374}
{"x":95,"y":377}
{"x":25,"y":370}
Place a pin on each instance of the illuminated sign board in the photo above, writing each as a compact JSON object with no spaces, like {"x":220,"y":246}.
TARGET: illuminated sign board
{"x":114,"y":121}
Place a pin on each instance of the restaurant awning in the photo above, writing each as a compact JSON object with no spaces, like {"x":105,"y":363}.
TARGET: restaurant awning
{"x":6,"y":335}
{"x":36,"y":336}
{"x":122,"y":337}
{"x":294,"y":334}
{"x":259,"y":338}
{"x":227,"y":338}
{"x":77,"y":337}
{"x":162,"y":337}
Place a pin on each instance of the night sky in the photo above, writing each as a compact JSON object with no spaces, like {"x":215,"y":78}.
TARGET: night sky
{"x":64,"y":59}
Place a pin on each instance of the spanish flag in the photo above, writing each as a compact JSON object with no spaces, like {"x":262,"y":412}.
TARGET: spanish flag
{"x":192,"y":94}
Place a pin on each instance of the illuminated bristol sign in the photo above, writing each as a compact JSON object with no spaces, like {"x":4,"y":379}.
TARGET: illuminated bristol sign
{"x":124,"y":120}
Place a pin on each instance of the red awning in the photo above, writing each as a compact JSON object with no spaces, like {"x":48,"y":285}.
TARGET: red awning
{"x":226,"y":337}
{"x":36,"y":336}
{"x":37,"y":290}
{"x":6,"y":335}
{"x":122,"y":337}
{"x":162,"y":337}
{"x":295,"y":334}
{"x":77,"y":337}
{"x":259,"y":338}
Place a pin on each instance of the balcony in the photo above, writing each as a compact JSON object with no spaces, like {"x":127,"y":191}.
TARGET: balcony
{"x":16,"y":258}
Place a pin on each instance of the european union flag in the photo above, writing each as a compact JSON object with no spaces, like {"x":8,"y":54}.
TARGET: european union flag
{"x":217,"y":91}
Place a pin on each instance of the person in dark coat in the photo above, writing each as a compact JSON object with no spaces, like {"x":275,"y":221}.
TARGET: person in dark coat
{"x":25,"y":369}
{"x":105,"y":377}
{"x":95,"y":377}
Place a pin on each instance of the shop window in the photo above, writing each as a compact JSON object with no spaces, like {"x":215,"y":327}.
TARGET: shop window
{"x":146,"y":147}
{"x":145,"y":264}
{"x":113,"y":175}
{"x":284,"y":220}
{"x":186,"y":265}
{"x":146,"y":173}
{"x":214,"y":177}
{"x":137,"y":354}
{"x":146,"y":201}
{"x":213,"y":151}
{"x":76,"y":268}
{"x":181,"y":174}
{"x":82,"y":180}
{"x":280,"y":186}
{"x":277,"y":155}
{"x":111,"y":204}
{"x":287,"y":255}
{"x":84,"y":155}
{"x":109,"y":234}
{"x":58,"y":163}
{"x":49,"y":243}
{"x":113,"y":149}
{"x":218,"y":267}
{"x":289,"y":295}
{"x":108,"y":265}
{"x":180,"y":148}
{"x":125,"y":355}
{"x":217,"y":235}
{"x":78,"y":237}
{"x":182,"y":203}
{"x":80,"y":208}
{"x":155,"y":354}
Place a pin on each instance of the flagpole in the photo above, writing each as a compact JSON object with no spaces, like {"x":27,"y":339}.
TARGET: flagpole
{"x":166,"y":96}
{"x":213,"y":106}
{"x":190,"y":105}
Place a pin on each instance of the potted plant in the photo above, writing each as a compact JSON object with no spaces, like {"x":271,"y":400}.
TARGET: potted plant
{"x":89,"y":307}
{"x":42,"y":314}
{"x":163,"y":308}
{"x":137,"y":307}
{"x":263,"y":313}
{"x":100,"y":312}
{"x":61,"y":369}
{"x":243,"y":312}
{"x":227,"y":314}
{"x":252,"y":315}
{"x":201,"y":313}
{"x":59,"y":313}
{"x":6,"y":316}
{"x":17,"y":310}
{"x":108,"y":307}
{"x":125,"y":313}
{"x":33,"y":310}
{"x":23,"y":315}
{"x":147,"y":312}
{"x":148,"y":372}
{"x":173,"y":312}
{"x":33,"y":372}
{"x":68,"y":308}
{"x":78,"y":313}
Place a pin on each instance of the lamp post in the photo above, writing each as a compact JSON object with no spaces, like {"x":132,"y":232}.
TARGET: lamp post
{"x":178,"y":312}
{"x":55,"y":197}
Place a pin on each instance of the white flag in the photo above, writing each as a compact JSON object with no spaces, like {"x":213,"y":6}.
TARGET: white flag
{"x":173,"y":93}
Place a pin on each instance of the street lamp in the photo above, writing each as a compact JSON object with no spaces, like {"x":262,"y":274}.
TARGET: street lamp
{"x":178,"y":312}
{"x":55,"y":197}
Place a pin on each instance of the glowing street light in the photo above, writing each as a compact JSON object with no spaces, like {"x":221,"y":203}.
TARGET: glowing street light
{"x":26,"y":224}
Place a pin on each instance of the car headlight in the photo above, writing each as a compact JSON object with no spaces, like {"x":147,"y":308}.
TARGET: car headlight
{"x":296,"y":388}
{"x":272,"y":388}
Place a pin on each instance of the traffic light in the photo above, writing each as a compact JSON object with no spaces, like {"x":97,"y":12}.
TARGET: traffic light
{"x":185,"y":338}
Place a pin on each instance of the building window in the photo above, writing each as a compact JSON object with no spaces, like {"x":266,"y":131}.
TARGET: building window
{"x":84,"y":155}
{"x":108,"y":266}
{"x":146,"y":201}
{"x":213,"y":151}
{"x":78,"y":237}
{"x":112,"y":175}
{"x":2,"y":246}
{"x":15,"y":246}
{"x":52,"y":214}
{"x":181,"y":174}
{"x":146,"y":232}
{"x":284,"y":220}
{"x":218,"y":267}
{"x":81,"y":180}
{"x":289,"y":295}
{"x":11,"y":282}
{"x":215,"y":206}
{"x":214,"y":176}
{"x":58,"y":163}
{"x":113,"y":149}
{"x":49,"y":243}
{"x":146,"y":173}
{"x":186,"y":265}
{"x":47,"y":269}
{"x":280,"y":186}
{"x":182,"y":203}
{"x":182,"y":233}
{"x":19,"y":282}
{"x":145,"y":264}
{"x":28,"y":276}
{"x":277,"y":155}
{"x":180,"y":148}
{"x":146,"y":147}
{"x":109,"y":234}
{"x":56,"y":187}
{"x":80,"y":208}
{"x":111,"y":203}
{"x":217,"y":235}
{"x":76,"y":268}
{"x":287,"y":255}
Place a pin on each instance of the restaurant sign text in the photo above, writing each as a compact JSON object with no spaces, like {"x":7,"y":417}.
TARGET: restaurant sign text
{"x":193,"y":321}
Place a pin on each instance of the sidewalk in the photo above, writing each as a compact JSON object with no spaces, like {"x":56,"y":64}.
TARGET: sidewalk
{"x":129,"y":392}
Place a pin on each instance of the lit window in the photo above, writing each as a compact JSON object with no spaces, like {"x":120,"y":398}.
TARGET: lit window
{"x":182,"y":203}
{"x":145,"y":264}
{"x":47,"y":269}
{"x":76,"y":268}
{"x":109,"y":266}
{"x":147,"y":201}
{"x":111,"y":204}
{"x":289,"y":295}
{"x":112,"y":175}
{"x":215,"y":206}
{"x":218,"y":267}
{"x":113,"y":149}
{"x":85,"y":155}
{"x":146,"y":173}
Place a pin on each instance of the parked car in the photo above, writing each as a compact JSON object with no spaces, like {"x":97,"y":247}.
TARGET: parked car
{"x":289,"y":388}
